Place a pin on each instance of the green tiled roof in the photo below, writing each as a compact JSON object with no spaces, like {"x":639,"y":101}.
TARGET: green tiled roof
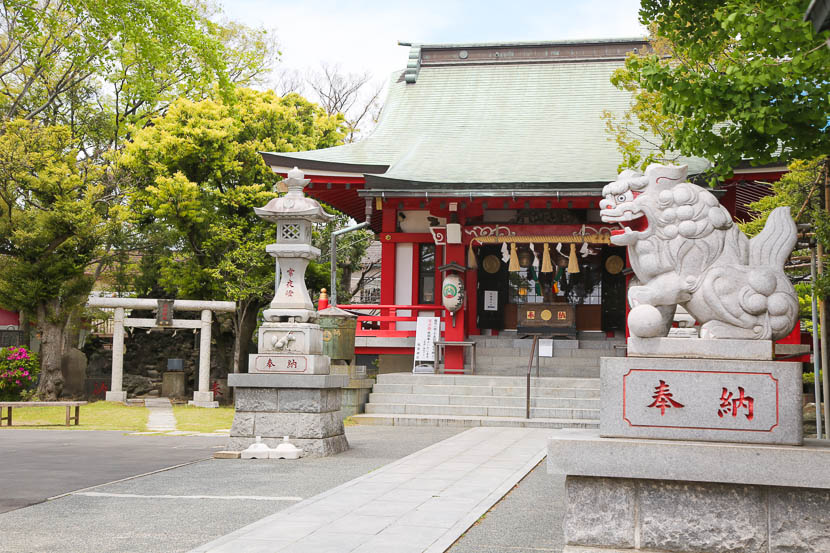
{"x":492,"y":125}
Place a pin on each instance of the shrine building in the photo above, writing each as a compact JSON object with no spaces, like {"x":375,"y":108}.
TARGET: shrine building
{"x":487,"y":163}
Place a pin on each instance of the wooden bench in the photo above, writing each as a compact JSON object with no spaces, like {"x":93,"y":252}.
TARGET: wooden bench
{"x":9,"y":405}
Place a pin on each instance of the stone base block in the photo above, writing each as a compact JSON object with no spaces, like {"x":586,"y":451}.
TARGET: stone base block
{"x":173,"y":384}
{"x":205,"y":404}
{"x":611,"y":514}
{"x":288,"y":400}
{"x":701,"y":399}
{"x":120,"y":397}
{"x":697,"y":348}
{"x":288,"y":363}
{"x":310,"y":416}
{"x":319,"y":447}
{"x":685,"y":497}
{"x":290,"y":338}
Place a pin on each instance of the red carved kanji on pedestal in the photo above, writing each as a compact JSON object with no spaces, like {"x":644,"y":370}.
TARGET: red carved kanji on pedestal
{"x":728,"y":404}
{"x":269,"y":364}
{"x":292,"y":363}
{"x":663,"y":398}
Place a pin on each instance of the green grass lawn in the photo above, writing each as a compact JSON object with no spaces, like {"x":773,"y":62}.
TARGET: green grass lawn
{"x":201,"y":419}
{"x":101,"y":415}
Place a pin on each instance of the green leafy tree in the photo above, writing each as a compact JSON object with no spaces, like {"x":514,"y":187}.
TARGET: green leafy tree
{"x":351,"y":248}
{"x":56,"y":213}
{"x":197,"y":176}
{"x":101,"y":66}
{"x":732,"y":80}
{"x":74,"y":76}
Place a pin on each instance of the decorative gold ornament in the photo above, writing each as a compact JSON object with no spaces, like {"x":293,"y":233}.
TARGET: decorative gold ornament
{"x":546,"y":315}
{"x":491,"y":264}
{"x":614,"y":264}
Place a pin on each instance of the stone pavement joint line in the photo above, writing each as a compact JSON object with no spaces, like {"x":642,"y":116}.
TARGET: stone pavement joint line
{"x":167,"y":496}
{"x":161,"y":415}
{"x":419,"y":504}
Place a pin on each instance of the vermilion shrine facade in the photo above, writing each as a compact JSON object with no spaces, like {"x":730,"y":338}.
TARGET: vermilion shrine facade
{"x":491,"y":157}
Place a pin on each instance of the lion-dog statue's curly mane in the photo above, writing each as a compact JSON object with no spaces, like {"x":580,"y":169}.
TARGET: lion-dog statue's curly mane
{"x":685,"y":250}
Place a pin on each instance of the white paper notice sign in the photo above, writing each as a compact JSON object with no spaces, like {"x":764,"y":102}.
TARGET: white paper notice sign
{"x":491,"y":300}
{"x":427,"y":332}
{"x":545,"y":347}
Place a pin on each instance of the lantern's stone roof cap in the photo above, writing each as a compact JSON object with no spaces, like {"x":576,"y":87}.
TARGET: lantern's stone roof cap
{"x":294,"y":204}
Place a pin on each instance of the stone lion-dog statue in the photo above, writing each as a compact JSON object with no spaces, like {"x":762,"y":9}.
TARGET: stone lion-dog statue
{"x":685,"y":250}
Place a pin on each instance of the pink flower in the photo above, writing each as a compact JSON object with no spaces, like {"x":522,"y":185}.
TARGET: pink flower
{"x":17,"y":382}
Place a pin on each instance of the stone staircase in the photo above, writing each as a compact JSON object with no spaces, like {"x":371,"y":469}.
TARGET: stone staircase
{"x":506,"y":355}
{"x":405,"y":399}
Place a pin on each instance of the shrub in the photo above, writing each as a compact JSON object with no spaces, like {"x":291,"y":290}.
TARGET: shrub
{"x":807,"y":378}
{"x":19,"y":369}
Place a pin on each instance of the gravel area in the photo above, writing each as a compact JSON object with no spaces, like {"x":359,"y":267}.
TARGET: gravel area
{"x":122,"y":522}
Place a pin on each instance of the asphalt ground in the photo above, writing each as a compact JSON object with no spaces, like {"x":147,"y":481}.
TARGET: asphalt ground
{"x":527,"y":520}
{"x":174,"y":510}
{"x":38,"y":464}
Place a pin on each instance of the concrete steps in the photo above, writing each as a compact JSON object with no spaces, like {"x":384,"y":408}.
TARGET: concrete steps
{"x":450,"y":420}
{"x":482,"y":400}
{"x":506,"y":355}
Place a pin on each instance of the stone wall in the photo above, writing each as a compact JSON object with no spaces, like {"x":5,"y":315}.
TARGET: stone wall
{"x":621,"y":514}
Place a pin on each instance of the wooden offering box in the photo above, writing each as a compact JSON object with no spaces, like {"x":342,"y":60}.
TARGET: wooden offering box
{"x":546,"y":318}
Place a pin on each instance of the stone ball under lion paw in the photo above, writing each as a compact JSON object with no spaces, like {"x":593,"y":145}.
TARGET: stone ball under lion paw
{"x":645,"y":321}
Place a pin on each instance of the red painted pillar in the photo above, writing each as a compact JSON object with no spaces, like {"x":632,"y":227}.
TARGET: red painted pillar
{"x":454,"y":356}
{"x":387,"y":261}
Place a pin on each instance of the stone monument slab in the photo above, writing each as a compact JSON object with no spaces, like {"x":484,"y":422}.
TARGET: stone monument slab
{"x":701,"y":399}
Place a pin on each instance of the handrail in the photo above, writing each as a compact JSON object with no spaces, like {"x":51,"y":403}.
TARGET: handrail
{"x":388,"y":317}
{"x":529,"y":368}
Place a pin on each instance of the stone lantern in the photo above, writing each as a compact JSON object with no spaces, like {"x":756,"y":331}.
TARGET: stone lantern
{"x":290,"y":341}
{"x":293,"y":215}
{"x":288,"y":390}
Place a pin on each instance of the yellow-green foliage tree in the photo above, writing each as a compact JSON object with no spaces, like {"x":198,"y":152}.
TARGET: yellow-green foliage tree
{"x":74,"y":75}
{"x":55,"y":211}
{"x":196,"y":177}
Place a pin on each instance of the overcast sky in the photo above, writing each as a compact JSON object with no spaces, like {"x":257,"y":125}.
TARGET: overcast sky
{"x":362,"y":35}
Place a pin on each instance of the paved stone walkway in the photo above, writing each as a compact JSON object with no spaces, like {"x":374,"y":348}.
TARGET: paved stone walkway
{"x":161,"y":415}
{"x":419,"y":504}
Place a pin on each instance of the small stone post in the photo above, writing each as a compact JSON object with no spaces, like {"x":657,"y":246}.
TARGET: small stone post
{"x":203,"y":397}
{"x":289,"y":390}
{"x":116,"y":392}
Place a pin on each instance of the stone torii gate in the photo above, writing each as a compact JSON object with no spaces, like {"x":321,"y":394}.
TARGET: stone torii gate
{"x":203,"y":397}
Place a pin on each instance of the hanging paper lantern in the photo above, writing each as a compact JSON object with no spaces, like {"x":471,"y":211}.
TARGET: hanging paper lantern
{"x":452,"y":292}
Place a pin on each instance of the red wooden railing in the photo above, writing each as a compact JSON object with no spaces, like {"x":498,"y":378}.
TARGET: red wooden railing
{"x":381,"y":320}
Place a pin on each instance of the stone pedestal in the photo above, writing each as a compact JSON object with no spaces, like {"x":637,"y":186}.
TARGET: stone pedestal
{"x":356,"y":392}
{"x":629,"y":494}
{"x":120,"y":396}
{"x":304,"y":407}
{"x":726,"y":400}
{"x":203,"y":399}
{"x":173,"y":384}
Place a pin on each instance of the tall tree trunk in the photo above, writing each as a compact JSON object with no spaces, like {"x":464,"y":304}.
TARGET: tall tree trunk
{"x":51,"y":350}
{"x":245,"y":320}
